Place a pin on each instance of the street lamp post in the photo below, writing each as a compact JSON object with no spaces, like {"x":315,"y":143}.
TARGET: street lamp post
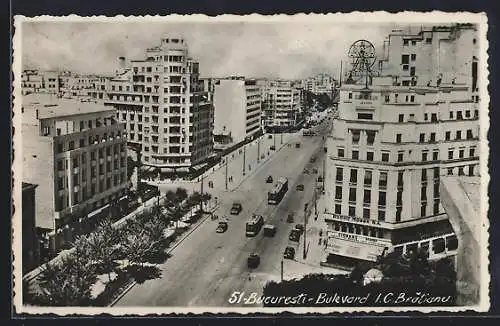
{"x":258,"y":149}
{"x":282,"y":138}
{"x":227,"y":161}
{"x":274,"y":138}
{"x":201,"y":191}
{"x":304,"y":254}
{"x":244,"y":157}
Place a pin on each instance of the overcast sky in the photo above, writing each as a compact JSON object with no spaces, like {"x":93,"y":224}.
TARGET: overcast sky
{"x":273,"y":49}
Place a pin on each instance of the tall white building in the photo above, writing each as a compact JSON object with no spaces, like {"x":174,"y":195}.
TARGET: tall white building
{"x":392,"y":143}
{"x":281,"y":105}
{"x":237,"y":104}
{"x":320,"y":84}
{"x":167,"y":111}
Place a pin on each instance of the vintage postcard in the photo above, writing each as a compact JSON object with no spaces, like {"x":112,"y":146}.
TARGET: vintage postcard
{"x":306,"y":163}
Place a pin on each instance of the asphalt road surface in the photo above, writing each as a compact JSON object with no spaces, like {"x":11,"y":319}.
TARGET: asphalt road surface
{"x":207,"y":267}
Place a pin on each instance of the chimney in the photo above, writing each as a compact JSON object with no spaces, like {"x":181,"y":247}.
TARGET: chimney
{"x":121,"y":63}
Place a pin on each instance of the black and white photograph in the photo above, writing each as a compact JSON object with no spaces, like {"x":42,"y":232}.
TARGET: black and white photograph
{"x":300,"y":163}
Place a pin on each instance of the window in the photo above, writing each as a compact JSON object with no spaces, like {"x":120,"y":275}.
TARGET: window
{"x":370,"y":137}
{"x":424,"y":176}
{"x":340,"y":152}
{"x":421,"y":138}
{"x":469,"y":134}
{"x":435,"y":207}
{"x":401,"y":117}
{"x":381,"y":215}
{"x":367,"y":196}
{"x":435,"y":155}
{"x":60,"y":165}
{"x":398,"y":214}
{"x":423,"y":210}
{"x":338,"y":209}
{"x":433,"y":137}
{"x":382,"y":182}
{"x":338,"y":192}
{"x":369,"y":156}
{"x":459,"y":115}
{"x":451,"y":114}
{"x":426,"y":116}
{"x":400,"y":156}
{"x":472,"y":152}
{"x":400,"y":178}
{"x":423,"y":193}
{"x":447,"y":135}
{"x":355,"y":155}
{"x":387,"y":99}
{"x":412,"y":72}
{"x":368,"y":178}
{"x":434,"y":117}
{"x":366,"y":213}
{"x":405,"y":59}
{"x":476,"y":113}
{"x":385,"y":157}
{"x":413,"y":57}
{"x":354,"y":176}
{"x":461,"y":170}
{"x":382,"y":198}
{"x":398,"y":138}
{"x":340,"y":174}
{"x":352,"y":194}
{"x":352,"y":211}
{"x":428,"y":40}
{"x":459,"y":135}
{"x":412,"y":98}
{"x":450,"y":171}
{"x":406,"y":42}
{"x":461,"y":153}
{"x":350,"y":95}
{"x":467,"y":113}
{"x":450,"y":154}
{"x":436,"y":190}
{"x":365,"y":116}
{"x":424,"y":156}
{"x":355,"y":136}
{"x":471,"y":170}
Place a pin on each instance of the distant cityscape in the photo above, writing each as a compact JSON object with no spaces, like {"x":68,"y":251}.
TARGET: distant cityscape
{"x":387,"y":152}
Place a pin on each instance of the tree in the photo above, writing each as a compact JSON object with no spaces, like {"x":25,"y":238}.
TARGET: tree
{"x":137,"y":247}
{"x":175,"y":202}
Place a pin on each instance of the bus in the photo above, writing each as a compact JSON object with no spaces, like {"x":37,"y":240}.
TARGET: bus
{"x":254,"y":225}
{"x":278,"y":192}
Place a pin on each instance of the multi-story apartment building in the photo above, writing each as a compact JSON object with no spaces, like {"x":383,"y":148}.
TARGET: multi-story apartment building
{"x":320,"y":84}
{"x":237,"y":103}
{"x":31,"y":82}
{"x":168,"y":114}
{"x":280,"y":105}
{"x":76,"y":153}
{"x":31,"y":245}
{"x":388,"y":150}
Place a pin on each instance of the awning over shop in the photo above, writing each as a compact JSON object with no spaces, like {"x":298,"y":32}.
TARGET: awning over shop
{"x":354,"y":249}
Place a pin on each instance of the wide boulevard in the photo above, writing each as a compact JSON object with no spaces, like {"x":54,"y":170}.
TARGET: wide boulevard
{"x":207,"y":267}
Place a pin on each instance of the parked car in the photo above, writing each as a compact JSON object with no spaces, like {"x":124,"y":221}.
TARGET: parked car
{"x":289,"y":218}
{"x":289,"y":253}
{"x":312,"y":159}
{"x":222,"y":227}
{"x":300,"y":187}
{"x":315,"y":171}
{"x":236,"y":208}
{"x":297,"y":145}
{"x":320,"y":179}
{"x":269,"y":230}
{"x":294,"y":235}
{"x":299,"y":227}
{"x":306,"y":171}
{"x":269,"y":179}
{"x":253,"y":260}
{"x":273,"y":147}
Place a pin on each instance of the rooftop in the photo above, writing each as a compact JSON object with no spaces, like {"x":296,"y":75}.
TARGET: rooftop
{"x":53,"y":106}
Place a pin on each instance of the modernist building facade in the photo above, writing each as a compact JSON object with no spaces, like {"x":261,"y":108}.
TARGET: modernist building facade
{"x":76,"y":153}
{"x":237,"y":104}
{"x":281,"y":105}
{"x":162,"y":101}
{"x":389,"y":148}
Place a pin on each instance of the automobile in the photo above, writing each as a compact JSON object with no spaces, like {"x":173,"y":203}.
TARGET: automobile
{"x":297,"y":145}
{"x":306,"y":171}
{"x":315,"y":171}
{"x":289,"y":218}
{"x":236,"y":208}
{"x":320,"y":179}
{"x":289,"y":253}
{"x":312,"y":159}
{"x":300,"y":187}
{"x":222,"y":227}
{"x":253,"y":260}
{"x":294,"y":235}
{"x":269,"y":179}
{"x":299,"y":227}
{"x":269,"y":230}
{"x":273,"y":147}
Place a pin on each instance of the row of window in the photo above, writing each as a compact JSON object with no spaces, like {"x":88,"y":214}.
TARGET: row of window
{"x":91,"y":140}
{"x":461,"y":170}
{"x":62,"y":182}
{"x":458,"y":136}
